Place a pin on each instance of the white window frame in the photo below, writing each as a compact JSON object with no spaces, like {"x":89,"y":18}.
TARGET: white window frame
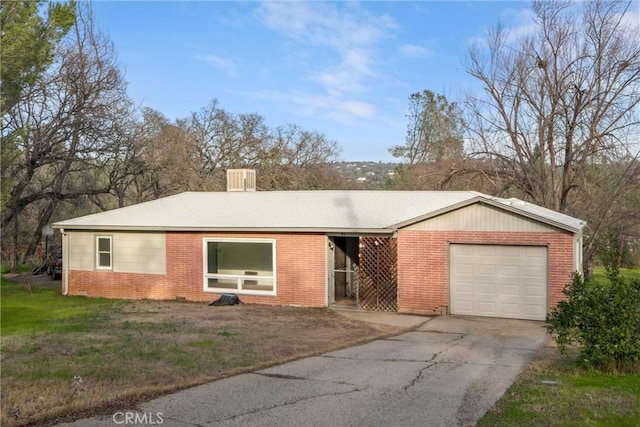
{"x":98,"y":252}
{"x":239,"y":277}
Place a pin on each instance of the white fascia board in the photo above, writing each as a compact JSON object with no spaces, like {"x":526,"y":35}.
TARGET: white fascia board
{"x":533,"y":216}
{"x":329,"y":231}
{"x":436,"y":213}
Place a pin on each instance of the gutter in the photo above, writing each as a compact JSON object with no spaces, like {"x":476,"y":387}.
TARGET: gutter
{"x":265,"y":230}
{"x":496,"y":202}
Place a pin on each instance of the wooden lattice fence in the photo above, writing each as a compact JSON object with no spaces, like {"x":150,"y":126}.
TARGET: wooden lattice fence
{"x":378,"y":274}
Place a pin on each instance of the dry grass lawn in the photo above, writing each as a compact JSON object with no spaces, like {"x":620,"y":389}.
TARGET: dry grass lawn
{"x":69,"y":357}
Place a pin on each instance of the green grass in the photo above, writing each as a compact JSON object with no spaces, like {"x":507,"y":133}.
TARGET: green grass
{"x":575,"y":398}
{"x":130,"y":350}
{"x":587,"y":399}
{"x":47,"y":310}
{"x":600,"y":276}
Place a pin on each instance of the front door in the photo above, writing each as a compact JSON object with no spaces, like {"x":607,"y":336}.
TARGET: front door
{"x":345,"y":269}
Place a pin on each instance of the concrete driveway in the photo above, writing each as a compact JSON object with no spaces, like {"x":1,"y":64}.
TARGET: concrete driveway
{"x":447,"y":372}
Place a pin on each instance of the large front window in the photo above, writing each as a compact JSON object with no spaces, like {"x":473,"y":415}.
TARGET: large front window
{"x":240,"y":266}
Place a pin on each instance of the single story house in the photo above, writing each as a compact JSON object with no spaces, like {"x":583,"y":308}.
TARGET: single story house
{"x":426,"y":252}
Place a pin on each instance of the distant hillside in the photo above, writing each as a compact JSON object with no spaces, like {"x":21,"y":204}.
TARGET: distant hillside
{"x":371,"y":175}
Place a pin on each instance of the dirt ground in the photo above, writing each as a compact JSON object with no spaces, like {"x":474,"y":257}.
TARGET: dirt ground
{"x":28,"y":277}
{"x":125,"y":352}
{"x":306,"y":328}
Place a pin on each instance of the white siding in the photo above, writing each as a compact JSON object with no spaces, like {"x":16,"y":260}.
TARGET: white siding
{"x":479,"y":217}
{"x":139,"y":253}
{"x":132,"y":252}
{"x":81,"y":253}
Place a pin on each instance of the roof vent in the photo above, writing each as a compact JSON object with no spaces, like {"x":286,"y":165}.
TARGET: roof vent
{"x":241,"y":180}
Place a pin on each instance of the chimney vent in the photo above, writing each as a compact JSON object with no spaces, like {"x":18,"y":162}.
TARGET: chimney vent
{"x":241,"y":180}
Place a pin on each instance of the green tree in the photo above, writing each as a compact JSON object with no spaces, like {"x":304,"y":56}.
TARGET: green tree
{"x":433,"y":146}
{"x":28,"y":40}
{"x":66,"y":128}
{"x":434,"y":132}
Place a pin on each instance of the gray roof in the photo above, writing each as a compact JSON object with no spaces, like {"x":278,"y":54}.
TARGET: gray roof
{"x":322,"y":211}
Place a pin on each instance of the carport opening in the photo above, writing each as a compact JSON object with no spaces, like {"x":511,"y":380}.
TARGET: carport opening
{"x":363,"y":273}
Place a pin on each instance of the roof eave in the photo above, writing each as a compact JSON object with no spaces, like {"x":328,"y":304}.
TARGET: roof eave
{"x":494,"y":203}
{"x":438,"y":212}
{"x":315,"y":230}
{"x":533,"y":216}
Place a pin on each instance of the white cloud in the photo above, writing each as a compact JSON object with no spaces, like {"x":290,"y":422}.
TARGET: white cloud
{"x":356,"y":108}
{"x":227,"y":65}
{"x":414,"y":51}
{"x":521,"y":23}
{"x":347,"y":37}
{"x":343,"y":111}
{"x":319,"y":105}
{"x":632,"y":17}
{"x":322,"y":24}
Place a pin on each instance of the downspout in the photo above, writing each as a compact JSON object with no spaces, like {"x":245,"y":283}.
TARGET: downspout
{"x":65,"y":262}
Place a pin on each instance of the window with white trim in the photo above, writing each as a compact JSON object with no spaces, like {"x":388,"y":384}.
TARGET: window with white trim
{"x":243,"y":266}
{"x":104,"y":253}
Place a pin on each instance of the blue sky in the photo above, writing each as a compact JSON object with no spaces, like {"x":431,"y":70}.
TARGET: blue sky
{"x":345,"y":69}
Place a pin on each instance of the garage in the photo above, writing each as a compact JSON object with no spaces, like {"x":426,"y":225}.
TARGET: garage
{"x":499,"y":280}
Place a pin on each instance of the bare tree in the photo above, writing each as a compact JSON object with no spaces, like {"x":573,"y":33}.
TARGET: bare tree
{"x":64,"y":128}
{"x":559,"y":104}
{"x":295,"y":159}
{"x":609,"y":198}
{"x":157,"y":161}
{"x":287,"y":157}
{"x":223,"y":140}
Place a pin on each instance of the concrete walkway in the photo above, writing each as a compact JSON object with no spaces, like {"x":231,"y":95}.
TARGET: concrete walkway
{"x":447,"y":372}
{"x":385,"y":318}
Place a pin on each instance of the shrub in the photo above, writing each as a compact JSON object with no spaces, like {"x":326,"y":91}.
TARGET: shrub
{"x":603,"y":319}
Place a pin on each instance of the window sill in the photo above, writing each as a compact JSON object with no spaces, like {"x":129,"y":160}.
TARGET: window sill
{"x":240,"y":292}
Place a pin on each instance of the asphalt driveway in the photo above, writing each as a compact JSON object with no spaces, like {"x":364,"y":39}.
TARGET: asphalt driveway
{"x":447,"y":372}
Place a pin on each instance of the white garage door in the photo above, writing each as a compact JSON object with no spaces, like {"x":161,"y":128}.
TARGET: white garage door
{"x":499,"y":281}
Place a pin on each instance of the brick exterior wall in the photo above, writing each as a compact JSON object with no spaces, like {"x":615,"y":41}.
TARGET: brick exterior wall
{"x":300,"y":272}
{"x":423,"y":277}
{"x":423,"y":260}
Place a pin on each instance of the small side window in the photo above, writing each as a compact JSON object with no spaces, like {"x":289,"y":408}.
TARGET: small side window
{"x":103,"y":253}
